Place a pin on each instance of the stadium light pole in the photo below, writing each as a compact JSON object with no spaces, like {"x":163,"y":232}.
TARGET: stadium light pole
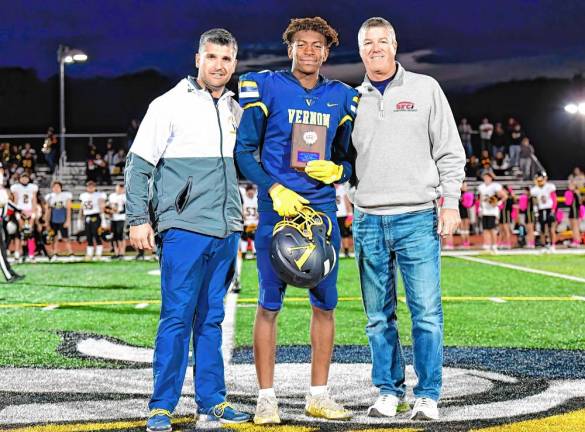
{"x":65,"y":55}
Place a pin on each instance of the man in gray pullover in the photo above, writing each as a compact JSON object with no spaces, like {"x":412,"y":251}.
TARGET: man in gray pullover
{"x":408,"y":155}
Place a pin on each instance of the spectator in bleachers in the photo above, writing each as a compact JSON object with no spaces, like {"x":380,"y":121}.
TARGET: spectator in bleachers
{"x":5,"y":151}
{"x":119,"y":162}
{"x":578,"y":177}
{"x":51,"y":149}
{"x":102,"y":170}
{"x":109,"y":154}
{"x":486,"y":130}
{"x":499,"y":140}
{"x":516,"y":137}
{"x":465,"y":132}
{"x":501,"y":164}
{"x":486,"y":160}
{"x":526,"y":154}
{"x":14,"y":172}
{"x":15,"y":156}
{"x":473,"y":168}
{"x":132,"y":131}
{"x":28,"y":162}
{"x":28,"y":148}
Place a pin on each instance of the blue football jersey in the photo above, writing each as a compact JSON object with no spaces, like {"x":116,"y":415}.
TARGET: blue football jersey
{"x":273,"y":102}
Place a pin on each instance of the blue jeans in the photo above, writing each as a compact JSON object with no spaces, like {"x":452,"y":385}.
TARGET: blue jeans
{"x":515,"y":155}
{"x":196,"y":271}
{"x":410,"y":242}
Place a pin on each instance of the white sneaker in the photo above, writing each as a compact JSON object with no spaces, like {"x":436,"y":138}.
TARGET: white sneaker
{"x":425,"y":409}
{"x":385,"y":406}
{"x":266,"y":411}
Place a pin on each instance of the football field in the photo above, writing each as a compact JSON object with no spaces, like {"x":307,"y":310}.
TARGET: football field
{"x":77,"y":340}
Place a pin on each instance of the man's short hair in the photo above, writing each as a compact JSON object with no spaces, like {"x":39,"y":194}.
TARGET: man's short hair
{"x":376,"y":22}
{"x":316,"y":24}
{"x":218,"y":36}
{"x":57,"y":182}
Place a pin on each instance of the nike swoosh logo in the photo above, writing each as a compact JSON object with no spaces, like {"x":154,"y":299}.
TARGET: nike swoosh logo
{"x":331,"y":104}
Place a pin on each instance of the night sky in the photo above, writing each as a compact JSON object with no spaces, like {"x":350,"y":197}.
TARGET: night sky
{"x":461,"y":43}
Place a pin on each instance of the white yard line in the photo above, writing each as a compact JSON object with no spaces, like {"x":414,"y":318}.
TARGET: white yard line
{"x":229,"y":326}
{"x":520,"y":268}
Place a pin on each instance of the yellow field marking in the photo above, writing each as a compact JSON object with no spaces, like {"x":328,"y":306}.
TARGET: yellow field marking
{"x":287,"y":300}
{"x":73,"y":304}
{"x":82,"y":427}
{"x":570,"y":422}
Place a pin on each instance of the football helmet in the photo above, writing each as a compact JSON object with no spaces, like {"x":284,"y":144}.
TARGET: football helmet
{"x":301,"y":251}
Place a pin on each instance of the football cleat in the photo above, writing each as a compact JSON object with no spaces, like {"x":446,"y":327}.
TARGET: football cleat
{"x":267,"y":411}
{"x":323,"y":406}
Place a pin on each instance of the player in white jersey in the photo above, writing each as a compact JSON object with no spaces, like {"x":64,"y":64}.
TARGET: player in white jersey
{"x":117,"y":204}
{"x":58,"y":211}
{"x":25,"y":197}
{"x":92,"y":206}
{"x":491,"y":195}
{"x":344,"y":220}
{"x":5,"y":206}
{"x":544,"y":194}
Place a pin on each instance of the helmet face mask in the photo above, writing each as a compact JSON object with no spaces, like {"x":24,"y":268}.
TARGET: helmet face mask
{"x":301,"y":252}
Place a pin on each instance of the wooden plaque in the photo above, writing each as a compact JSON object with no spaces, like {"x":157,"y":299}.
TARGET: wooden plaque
{"x":307,"y":144}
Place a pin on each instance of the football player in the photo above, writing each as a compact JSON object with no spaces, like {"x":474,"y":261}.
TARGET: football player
{"x":277,"y":106}
{"x":25,"y":196}
{"x":545,"y":196}
{"x":491,"y":195}
{"x":92,"y":206}
{"x":58,"y":210}
{"x":117,"y":202}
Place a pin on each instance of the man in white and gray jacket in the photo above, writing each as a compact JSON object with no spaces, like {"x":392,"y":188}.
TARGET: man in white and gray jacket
{"x":408,"y":155}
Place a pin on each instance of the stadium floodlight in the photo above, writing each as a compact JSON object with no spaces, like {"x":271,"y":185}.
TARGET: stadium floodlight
{"x":571,"y":108}
{"x":582,"y":108}
{"x":65,"y":55}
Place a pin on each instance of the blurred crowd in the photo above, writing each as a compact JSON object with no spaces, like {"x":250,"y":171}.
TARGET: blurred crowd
{"x":505,"y":149}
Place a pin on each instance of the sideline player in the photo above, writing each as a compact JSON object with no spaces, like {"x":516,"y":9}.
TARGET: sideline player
{"x":92,"y":206}
{"x":58,"y":210}
{"x":117,"y":202}
{"x":25,"y":197}
{"x":490,"y":194}
{"x":277,"y":106}
{"x":546,"y":199}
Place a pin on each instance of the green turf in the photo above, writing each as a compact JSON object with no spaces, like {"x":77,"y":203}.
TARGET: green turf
{"x":470,"y":323}
{"x":31,"y":336}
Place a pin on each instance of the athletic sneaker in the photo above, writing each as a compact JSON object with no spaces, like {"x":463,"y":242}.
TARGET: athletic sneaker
{"x":224,"y":413}
{"x":388,"y":406}
{"x":266,"y":411}
{"x":323,"y":406}
{"x":159,"y":420}
{"x":425,"y":409}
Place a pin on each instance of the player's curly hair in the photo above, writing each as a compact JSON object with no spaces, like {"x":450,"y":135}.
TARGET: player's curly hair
{"x":316,"y":24}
